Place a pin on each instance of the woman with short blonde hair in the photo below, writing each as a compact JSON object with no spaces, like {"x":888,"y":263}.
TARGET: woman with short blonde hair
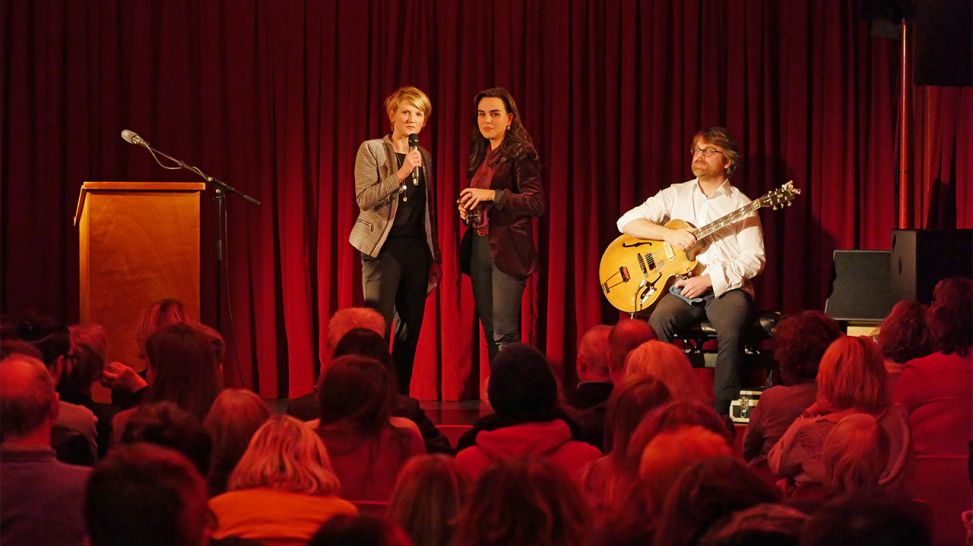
{"x":667,"y":363}
{"x":283,"y":487}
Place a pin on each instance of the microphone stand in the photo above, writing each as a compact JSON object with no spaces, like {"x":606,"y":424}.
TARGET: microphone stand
{"x":222,"y":227}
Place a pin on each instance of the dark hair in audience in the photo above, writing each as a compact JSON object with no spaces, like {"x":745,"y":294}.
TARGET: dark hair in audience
{"x":760,"y":525}
{"x":522,"y":385}
{"x":904,"y":334}
{"x":24,"y":405}
{"x":523,"y":502}
{"x":354,"y":391}
{"x":89,"y":343}
{"x":161,"y":313}
{"x":705,"y":492}
{"x":799,"y":343}
{"x":146,"y":495}
{"x":951,"y":315}
{"x":167,"y":425}
{"x":628,"y":405}
{"x":370,"y":344}
{"x":234,"y":417}
{"x":360,"y":530}
{"x":428,"y":494}
{"x":183,"y":368}
{"x":864,"y":520}
{"x":47,"y":334}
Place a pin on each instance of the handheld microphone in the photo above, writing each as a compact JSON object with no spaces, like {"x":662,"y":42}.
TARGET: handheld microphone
{"x":414,"y":145}
{"x":132,"y":138}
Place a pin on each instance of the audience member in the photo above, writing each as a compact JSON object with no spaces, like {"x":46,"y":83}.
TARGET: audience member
{"x":523,"y":502}
{"x":282,"y":489}
{"x":523,"y":393}
{"x":182,"y":368}
{"x":594,"y":379}
{"x":669,"y":364}
{"x":40,"y":497}
{"x":161,"y":313}
{"x":865,"y":520}
{"x":854,"y":456}
{"x":146,"y":495}
{"x":760,"y":525}
{"x":903,"y":336}
{"x":626,"y":335}
{"x":428,"y":495}
{"x":705,"y":493}
{"x":361,"y":530}
{"x":89,"y":345}
{"x":799,"y":342}
{"x":234,"y":417}
{"x":306,"y":407}
{"x":851,"y":379}
{"x":166,"y":424}
{"x":935,"y":389}
{"x":605,"y":482}
{"x":366,"y":450}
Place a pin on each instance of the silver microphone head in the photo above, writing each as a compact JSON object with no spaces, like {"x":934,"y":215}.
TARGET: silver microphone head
{"x":131,"y":137}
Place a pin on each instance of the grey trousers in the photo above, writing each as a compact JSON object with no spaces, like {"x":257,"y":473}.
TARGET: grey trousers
{"x":498,"y":298}
{"x":729,"y":314}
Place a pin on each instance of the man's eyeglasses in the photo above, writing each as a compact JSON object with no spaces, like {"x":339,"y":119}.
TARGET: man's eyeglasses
{"x":707,"y":152}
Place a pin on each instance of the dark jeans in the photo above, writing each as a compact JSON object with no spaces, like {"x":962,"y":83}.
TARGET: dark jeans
{"x":395,"y":284}
{"x":729,"y":314}
{"x":498,"y":298}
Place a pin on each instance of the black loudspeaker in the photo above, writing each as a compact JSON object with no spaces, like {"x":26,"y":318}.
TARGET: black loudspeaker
{"x":861,"y":290}
{"x":944,"y":42}
{"x":922,"y":257}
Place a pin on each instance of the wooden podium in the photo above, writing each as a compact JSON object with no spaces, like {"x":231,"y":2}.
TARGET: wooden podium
{"x":139,"y":244}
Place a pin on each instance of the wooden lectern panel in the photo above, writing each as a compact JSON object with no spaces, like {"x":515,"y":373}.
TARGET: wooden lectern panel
{"x":139,"y":244}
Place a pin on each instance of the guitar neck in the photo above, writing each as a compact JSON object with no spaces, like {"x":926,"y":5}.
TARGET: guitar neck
{"x":721,"y":223}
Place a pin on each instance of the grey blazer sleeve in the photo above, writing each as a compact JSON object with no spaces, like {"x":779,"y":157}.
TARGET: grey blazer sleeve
{"x":371,"y":189}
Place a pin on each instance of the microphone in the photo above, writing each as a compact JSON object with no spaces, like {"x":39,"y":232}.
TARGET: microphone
{"x":132,"y":138}
{"x":414,"y":145}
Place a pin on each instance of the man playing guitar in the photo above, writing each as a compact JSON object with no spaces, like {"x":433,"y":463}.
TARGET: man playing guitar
{"x":721,"y":291}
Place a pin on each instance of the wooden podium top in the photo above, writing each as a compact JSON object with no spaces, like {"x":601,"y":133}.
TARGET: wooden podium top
{"x":132,"y":186}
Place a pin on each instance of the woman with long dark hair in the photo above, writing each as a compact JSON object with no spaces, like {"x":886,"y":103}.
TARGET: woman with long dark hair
{"x":505,"y":192}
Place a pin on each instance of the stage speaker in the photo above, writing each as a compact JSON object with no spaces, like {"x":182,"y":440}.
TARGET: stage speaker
{"x":922,"y":257}
{"x":860,"y":287}
{"x":944,"y":42}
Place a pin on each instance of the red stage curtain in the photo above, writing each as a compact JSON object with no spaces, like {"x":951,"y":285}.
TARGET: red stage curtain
{"x":274,"y":97}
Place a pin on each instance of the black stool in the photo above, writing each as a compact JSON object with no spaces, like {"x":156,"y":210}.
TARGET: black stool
{"x":699,"y":342}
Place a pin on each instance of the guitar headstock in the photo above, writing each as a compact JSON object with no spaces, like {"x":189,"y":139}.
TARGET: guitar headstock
{"x":780,"y":197}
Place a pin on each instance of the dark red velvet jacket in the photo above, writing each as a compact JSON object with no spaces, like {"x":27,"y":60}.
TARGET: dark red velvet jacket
{"x":520,"y":197}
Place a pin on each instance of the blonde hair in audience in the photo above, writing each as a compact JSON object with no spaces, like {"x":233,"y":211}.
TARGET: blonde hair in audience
{"x":286,"y":454}
{"x":428,"y":494}
{"x":668,"y":364}
{"x":234,"y":417}
{"x":349,"y":318}
{"x":671,"y":452}
{"x":852,"y":375}
{"x":855,"y":454}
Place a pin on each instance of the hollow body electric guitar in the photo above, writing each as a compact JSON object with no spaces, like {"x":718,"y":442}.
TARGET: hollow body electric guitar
{"x":634,"y":273}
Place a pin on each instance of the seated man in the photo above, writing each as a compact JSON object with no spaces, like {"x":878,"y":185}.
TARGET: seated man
{"x":40,"y":499}
{"x":625,"y":335}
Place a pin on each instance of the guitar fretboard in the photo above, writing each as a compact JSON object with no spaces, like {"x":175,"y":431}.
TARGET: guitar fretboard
{"x":721,"y":223}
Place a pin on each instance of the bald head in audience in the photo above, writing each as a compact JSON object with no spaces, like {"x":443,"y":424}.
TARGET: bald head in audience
{"x":349,"y":318}
{"x":593,"y":354}
{"x":626,"y":335}
{"x":28,"y":403}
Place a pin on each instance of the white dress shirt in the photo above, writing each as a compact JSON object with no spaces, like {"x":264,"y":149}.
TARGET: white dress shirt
{"x":735,"y":254}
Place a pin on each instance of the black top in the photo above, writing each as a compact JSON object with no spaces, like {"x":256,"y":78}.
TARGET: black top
{"x":409,"y":218}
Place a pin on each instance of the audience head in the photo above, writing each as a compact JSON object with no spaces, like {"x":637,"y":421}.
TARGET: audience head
{"x":592,"y":363}
{"x":760,"y":525}
{"x":520,"y":503}
{"x":345,"y":320}
{"x":522,"y":385}
{"x":799,"y":343}
{"x":864,"y":520}
{"x":626,"y":335}
{"x":161,"y":313}
{"x":369,"y":344}
{"x":50,"y":337}
{"x":706,"y":492}
{"x":670,"y":453}
{"x":166,"y":425}
{"x":182,"y":368}
{"x":89,"y":344}
{"x":147,"y":495}
{"x":628,"y":405}
{"x":234,"y":417}
{"x":667,"y":363}
{"x":28,"y":402}
{"x":428,"y":494}
{"x":360,"y":530}
{"x":355,"y":392}
{"x":950,"y":315}
{"x":10,"y":347}
{"x":672,"y":416}
{"x":904,"y":334}
{"x":285,"y":454}
{"x":854,"y":455}
{"x":852,"y":375}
